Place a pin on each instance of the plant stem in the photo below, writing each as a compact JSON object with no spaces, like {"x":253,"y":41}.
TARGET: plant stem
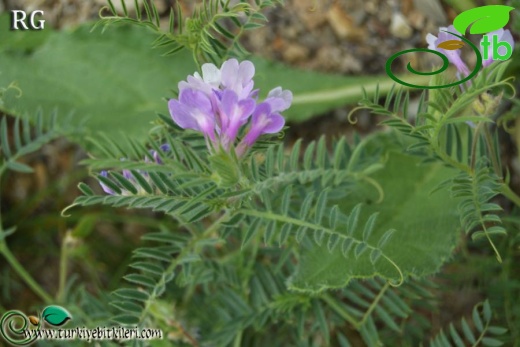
{"x":238,"y":339}
{"x":63,"y":269}
{"x":17,"y":267}
{"x":374,"y":303}
{"x":474,"y":145}
{"x":506,"y":191}
{"x":340,"y":310}
{"x":26,"y":277}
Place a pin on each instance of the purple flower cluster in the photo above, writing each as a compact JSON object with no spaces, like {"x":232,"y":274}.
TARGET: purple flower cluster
{"x":128,"y":175}
{"x":222,"y":101}
{"x":454,"y":55}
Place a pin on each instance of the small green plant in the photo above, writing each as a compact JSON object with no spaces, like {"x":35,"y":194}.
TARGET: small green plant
{"x":212,"y":32}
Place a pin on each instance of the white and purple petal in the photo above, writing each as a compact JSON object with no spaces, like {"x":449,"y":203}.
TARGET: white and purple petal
{"x":279,"y":99}
{"x":105,"y":188}
{"x":238,"y":77}
{"x":234,"y":113}
{"x":194,"y":111}
{"x":452,"y":55}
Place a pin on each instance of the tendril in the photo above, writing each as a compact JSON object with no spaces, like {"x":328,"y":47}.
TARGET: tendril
{"x":445,"y":64}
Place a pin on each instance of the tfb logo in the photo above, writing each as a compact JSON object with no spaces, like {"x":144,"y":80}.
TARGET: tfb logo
{"x":19,"y":18}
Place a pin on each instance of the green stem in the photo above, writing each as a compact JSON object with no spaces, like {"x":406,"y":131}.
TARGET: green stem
{"x":506,"y":191}
{"x":340,"y":310}
{"x":374,"y":303}
{"x":474,"y":145}
{"x":175,"y":262}
{"x":17,"y":267}
{"x":238,"y":339}
{"x":504,"y":188}
{"x":26,"y":277}
{"x":63,"y":270}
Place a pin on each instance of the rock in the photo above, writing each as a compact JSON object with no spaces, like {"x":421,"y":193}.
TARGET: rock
{"x":343,"y":25}
{"x":295,"y":53}
{"x":310,"y":12}
{"x":416,"y":19}
{"x":399,"y":26}
{"x":350,"y":64}
{"x":431,"y":9}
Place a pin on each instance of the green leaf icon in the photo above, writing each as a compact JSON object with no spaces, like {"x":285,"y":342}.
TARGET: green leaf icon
{"x":56,"y":315}
{"x":485,"y":19}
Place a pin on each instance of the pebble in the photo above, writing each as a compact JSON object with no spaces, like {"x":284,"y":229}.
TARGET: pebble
{"x":309,"y":12}
{"x":343,"y":25}
{"x":294,"y":52}
{"x":416,"y":19}
{"x":399,"y":27}
{"x":431,"y":9}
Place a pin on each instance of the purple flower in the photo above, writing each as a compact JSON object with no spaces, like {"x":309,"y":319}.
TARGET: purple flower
{"x":233,"y":114}
{"x":207,"y":83}
{"x":222,"y":101}
{"x":194,"y":110}
{"x":156,"y":155}
{"x":238,"y":77}
{"x":164,"y":148}
{"x":105,"y":188}
{"x":454,"y":55}
{"x":487,"y":48}
{"x":279,"y":99}
{"x":266,"y":119}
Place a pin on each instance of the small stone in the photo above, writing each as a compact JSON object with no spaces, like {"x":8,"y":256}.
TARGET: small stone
{"x":416,"y":19}
{"x":431,"y":9}
{"x":294,"y":53}
{"x":399,"y":26}
{"x":351,"y":64}
{"x":343,"y":25}
{"x":310,"y":12}
{"x":371,"y":7}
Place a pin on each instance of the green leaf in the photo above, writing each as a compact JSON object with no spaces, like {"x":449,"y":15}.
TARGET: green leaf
{"x":369,"y":226}
{"x":127,"y":306}
{"x":85,"y":189}
{"x":468,"y":333}
{"x":131,"y":294}
{"x":485,"y":19}
{"x":486,"y":308}
{"x":126,"y":319}
{"x":19,"y":167}
{"x":56,"y":315}
{"x":140,"y":280}
{"x":426,"y":227}
{"x":488,"y":341}
{"x":148,"y":267}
